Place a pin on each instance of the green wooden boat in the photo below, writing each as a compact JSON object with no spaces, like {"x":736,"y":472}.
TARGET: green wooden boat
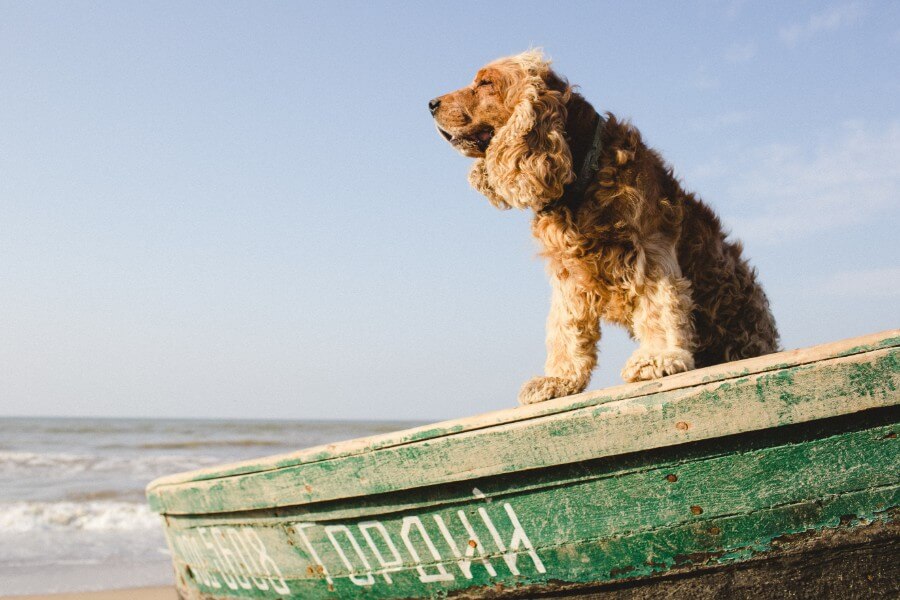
{"x":770,"y":477}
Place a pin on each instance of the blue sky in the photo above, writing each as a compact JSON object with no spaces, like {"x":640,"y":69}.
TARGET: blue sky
{"x":243,"y":209}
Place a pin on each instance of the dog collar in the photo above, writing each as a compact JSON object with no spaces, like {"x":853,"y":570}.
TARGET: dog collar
{"x":589,"y":167}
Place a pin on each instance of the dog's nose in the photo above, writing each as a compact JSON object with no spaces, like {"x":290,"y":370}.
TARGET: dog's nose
{"x":433,"y":105}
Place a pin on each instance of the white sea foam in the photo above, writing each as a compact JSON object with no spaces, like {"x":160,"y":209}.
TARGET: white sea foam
{"x":76,"y":516}
{"x":64,"y":463}
{"x":72,"y":491}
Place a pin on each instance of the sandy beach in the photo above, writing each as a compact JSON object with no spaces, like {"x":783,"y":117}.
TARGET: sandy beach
{"x":147,"y":593}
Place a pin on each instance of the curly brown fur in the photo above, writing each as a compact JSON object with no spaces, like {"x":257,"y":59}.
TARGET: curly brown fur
{"x":634,"y":248}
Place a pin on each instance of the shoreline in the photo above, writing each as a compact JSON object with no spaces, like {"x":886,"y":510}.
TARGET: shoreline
{"x":141,"y":593}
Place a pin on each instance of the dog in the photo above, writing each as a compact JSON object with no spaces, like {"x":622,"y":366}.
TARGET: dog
{"x":623,"y":241}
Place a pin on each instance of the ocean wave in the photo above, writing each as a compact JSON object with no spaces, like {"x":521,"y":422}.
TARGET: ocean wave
{"x":132,"y":494}
{"x":247,"y":443}
{"x":75,"y":516}
{"x":68,"y":464}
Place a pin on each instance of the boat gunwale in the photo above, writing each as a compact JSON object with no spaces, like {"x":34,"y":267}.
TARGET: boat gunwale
{"x":630,"y":391}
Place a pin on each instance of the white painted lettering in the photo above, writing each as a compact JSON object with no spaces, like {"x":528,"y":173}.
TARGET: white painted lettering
{"x":331,"y":531}
{"x":424,"y":577}
{"x":229,"y":560}
{"x":238,"y":557}
{"x":299,"y":529}
{"x":242,"y":550}
{"x":217,"y":561}
{"x":519,"y":538}
{"x":267,"y":565}
{"x":472,"y":544}
{"x":387,"y":566}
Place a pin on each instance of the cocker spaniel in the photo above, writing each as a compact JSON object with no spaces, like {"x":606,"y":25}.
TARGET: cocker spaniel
{"x":623,"y":241}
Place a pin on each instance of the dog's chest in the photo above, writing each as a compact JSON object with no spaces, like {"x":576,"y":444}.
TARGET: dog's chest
{"x":599,"y":258}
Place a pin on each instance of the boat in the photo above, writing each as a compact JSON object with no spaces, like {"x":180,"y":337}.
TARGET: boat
{"x":775,"y":476}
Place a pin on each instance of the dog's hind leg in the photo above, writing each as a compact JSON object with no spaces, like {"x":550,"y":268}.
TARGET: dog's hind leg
{"x":661,"y":322}
{"x":573,"y":330}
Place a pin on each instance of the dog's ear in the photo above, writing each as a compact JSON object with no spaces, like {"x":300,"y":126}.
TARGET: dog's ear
{"x":478,"y":179}
{"x":528,"y":162}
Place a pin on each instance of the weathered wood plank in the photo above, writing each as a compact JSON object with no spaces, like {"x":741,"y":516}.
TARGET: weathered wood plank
{"x":684,"y":548}
{"x":778,"y":361}
{"x":669,"y":460}
{"x":847,"y":562}
{"x":697,"y":457}
{"x":850,"y":383}
{"x":724,"y":505}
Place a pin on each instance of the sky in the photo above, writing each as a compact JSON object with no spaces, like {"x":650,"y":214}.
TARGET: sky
{"x":243,"y":210}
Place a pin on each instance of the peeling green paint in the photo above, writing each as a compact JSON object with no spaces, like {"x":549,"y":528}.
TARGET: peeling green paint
{"x":434,"y":432}
{"x":631,"y":525}
{"x":876,"y":377}
{"x":885,"y":342}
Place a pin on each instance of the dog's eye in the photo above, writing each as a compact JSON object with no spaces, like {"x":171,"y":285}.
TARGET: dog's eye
{"x":485,"y":83}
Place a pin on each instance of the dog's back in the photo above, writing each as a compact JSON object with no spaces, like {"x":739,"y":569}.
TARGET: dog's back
{"x":638,"y":208}
{"x":731,"y":314}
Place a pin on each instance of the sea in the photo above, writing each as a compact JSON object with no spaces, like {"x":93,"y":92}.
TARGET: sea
{"x":73,"y":516}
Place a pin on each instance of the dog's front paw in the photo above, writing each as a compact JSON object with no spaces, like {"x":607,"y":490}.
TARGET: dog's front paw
{"x":646,"y":364}
{"x":545,"y":388}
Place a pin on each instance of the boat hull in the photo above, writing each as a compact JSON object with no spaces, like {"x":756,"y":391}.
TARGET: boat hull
{"x":727,"y":478}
